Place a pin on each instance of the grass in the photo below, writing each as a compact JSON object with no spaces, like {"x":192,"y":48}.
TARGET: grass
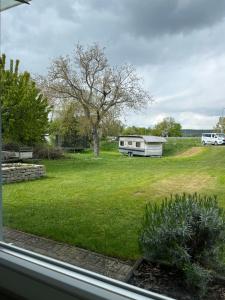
{"x":98,"y":204}
{"x":179,"y":145}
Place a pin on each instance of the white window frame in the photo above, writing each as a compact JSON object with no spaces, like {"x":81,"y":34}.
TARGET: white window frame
{"x":35,"y":277}
{"x":7,"y":4}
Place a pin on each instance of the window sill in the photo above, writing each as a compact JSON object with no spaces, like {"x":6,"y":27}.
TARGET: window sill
{"x":34,"y":276}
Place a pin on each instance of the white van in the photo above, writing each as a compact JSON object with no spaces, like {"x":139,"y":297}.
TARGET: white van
{"x":213,"y":138}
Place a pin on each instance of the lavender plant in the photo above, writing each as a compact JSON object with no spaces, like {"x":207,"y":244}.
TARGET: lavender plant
{"x":188,"y":232}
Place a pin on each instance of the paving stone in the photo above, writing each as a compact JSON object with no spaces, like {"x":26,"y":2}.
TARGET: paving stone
{"x":83,"y":258}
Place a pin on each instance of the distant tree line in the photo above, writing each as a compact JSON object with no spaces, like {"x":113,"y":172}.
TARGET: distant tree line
{"x":167,"y":127}
{"x":70,"y":122}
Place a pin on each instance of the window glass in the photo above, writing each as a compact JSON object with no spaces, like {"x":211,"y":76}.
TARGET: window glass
{"x":71,"y":178}
{"x":138,"y":144}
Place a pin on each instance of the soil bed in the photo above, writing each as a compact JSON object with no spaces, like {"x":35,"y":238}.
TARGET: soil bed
{"x":169,"y":282}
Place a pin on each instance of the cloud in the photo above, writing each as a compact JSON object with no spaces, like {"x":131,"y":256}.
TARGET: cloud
{"x":174,"y":16}
{"x":177,"y":47}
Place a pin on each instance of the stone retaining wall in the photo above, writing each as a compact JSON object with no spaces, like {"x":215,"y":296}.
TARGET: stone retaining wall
{"x":21,"y":172}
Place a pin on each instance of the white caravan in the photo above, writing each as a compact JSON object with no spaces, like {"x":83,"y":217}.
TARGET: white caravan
{"x":141,"y":145}
{"x":213,"y":138}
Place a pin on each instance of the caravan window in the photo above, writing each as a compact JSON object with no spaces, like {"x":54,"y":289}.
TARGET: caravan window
{"x":121,"y":143}
{"x":138,"y":144}
{"x":130,"y":143}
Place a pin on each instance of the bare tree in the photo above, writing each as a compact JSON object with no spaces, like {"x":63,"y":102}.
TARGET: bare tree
{"x":97,"y":87}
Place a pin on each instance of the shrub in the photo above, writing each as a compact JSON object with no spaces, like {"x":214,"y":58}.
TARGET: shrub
{"x":109,"y":145}
{"x":188,"y":232}
{"x":47,"y":152}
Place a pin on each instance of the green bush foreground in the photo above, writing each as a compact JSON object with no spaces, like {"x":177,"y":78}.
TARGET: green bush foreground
{"x":187,"y":232}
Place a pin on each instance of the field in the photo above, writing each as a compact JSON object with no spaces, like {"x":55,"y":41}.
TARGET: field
{"x":98,"y":204}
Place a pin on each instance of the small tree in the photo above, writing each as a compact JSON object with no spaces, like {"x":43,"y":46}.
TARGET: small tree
{"x":88,"y":79}
{"x":111,"y":126}
{"x":24,"y":109}
{"x":65,"y":121}
{"x":69,"y":123}
{"x":168,"y":127}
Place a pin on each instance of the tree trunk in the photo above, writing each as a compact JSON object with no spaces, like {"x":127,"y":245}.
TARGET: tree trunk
{"x":95,"y":135}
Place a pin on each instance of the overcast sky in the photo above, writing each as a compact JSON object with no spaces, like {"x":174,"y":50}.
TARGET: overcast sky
{"x":177,"y":46}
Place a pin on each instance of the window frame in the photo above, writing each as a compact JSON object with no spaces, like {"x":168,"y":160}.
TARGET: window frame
{"x":49,"y":277}
{"x":12,"y":3}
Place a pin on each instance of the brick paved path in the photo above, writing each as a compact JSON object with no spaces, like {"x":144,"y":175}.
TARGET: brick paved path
{"x":98,"y":263}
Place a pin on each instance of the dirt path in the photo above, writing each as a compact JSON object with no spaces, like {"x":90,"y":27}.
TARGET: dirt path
{"x":191,"y":152}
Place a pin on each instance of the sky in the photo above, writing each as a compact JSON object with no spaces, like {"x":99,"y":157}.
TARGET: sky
{"x":177,"y":47}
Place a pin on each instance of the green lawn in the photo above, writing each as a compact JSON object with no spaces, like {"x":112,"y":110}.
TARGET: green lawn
{"x":98,"y":204}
